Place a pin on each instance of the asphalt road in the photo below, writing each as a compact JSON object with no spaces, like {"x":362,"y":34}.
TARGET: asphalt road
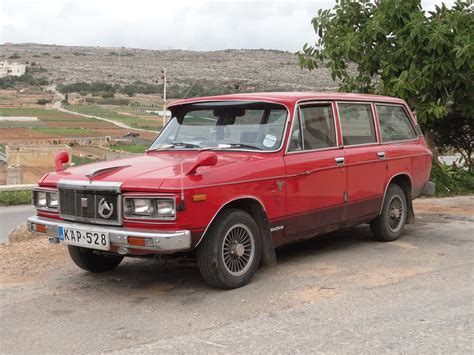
{"x":339,"y":293}
{"x":11,"y":217}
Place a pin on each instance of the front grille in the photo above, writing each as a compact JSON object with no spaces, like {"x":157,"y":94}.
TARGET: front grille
{"x":83,"y":205}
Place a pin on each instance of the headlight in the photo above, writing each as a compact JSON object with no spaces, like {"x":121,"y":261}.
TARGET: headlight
{"x":153,"y":208}
{"x":53,"y":200}
{"x":142,"y":206}
{"x":45,"y":199}
{"x":165,"y":208}
{"x":41,"y":200}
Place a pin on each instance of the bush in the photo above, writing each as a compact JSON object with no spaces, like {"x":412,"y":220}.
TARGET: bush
{"x":451,"y":181}
{"x":43,"y":101}
{"x":10,"y":198}
{"x":455,"y":131}
{"x":139,"y":87}
{"x":107,"y":94}
{"x":14,"y":56}
{"x":95,"y":87}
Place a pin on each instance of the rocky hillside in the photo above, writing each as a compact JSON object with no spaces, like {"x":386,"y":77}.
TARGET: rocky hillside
{"x":248,"y":70}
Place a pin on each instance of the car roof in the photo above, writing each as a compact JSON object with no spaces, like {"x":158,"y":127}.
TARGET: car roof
{"x":290,"y":98}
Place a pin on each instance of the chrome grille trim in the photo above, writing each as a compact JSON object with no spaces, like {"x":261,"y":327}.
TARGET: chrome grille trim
{"x":72,"y":191}
{"x":90,"y":185}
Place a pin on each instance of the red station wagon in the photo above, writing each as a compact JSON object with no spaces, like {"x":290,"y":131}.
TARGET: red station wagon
{"x":230,"y":178}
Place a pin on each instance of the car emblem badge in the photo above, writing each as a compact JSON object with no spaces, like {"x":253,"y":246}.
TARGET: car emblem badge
{"x":84,"y":201}
{"x":105,"y":210}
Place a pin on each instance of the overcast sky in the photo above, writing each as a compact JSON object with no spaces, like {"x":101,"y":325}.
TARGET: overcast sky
{"x":170,"y":24}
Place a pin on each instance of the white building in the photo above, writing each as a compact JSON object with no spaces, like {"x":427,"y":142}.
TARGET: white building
{"x":11,"y":69}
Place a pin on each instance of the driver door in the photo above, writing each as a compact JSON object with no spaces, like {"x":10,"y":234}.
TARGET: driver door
{"x":316,"y":176}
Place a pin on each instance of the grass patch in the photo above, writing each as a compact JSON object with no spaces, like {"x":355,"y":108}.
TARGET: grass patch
{"x":131,"y":148}
{"x":111,"y":113}
{"x":64,"y":131}
{"x":2,"y":148}
{"x":451,"y":181}
{"x":77,"y":160}
{"x":43,"y":114}
{"x":11,"y":198}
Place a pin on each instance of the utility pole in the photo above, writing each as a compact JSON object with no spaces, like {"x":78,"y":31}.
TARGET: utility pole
{"x":163,"y":77}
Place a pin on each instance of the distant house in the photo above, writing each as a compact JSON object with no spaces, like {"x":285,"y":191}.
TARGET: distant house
{"x":11,"y":69}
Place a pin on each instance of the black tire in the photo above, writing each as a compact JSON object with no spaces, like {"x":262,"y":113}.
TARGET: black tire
{"x":389,"y":225}
{"x":88,"y":260}
{"x":229,"y":255}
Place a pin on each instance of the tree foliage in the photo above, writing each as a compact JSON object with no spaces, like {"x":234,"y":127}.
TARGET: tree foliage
{"x":395,"y":48}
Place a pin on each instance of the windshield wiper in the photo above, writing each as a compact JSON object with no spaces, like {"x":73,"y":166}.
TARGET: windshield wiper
{"x":185,"y":145}
{"x":176,"y":144}
{"x":238,"y":145}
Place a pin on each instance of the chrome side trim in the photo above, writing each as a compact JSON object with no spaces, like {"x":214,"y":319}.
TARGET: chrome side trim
{"x":89,"y":185}
{"x":163,"y":241}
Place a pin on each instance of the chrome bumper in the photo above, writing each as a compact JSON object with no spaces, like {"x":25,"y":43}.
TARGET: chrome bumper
{"x":163,"y":241}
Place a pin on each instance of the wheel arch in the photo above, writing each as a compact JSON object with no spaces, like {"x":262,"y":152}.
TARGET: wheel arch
{"x":405,"y":182}
{"x":255,"y":208}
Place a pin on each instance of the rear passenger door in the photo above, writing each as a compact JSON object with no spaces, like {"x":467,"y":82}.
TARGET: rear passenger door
{"x":365,"y":160}
{"x":316,"y":178}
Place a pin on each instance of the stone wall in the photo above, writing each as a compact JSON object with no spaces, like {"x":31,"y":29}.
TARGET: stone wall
{"x":35,"y":161}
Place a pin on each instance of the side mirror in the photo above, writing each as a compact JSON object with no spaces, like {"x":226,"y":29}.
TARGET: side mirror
{"x":60,"y":159}
{"x":204,"y":159}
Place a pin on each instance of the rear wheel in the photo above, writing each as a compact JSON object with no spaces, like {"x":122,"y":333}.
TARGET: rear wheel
{"x":89,"y":260}
{"x":389,"y":225}
{"x":229,"y":255}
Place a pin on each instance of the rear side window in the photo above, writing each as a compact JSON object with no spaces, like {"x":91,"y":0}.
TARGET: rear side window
{"x":357,"y":123}
{"x":395,"y":125}
{"x":313,"y":128}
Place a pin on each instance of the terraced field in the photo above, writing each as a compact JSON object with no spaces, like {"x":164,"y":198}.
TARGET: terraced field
{"x":53,"y":124}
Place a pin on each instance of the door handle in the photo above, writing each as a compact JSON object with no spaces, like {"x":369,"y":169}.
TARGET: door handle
{"x":381,"y":155}
{"x":301,"y":173}
{"x":339,"y":160}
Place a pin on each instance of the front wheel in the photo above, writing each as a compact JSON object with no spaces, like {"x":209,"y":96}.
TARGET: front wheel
{"x":89,"y":260}
{"x":389,"y":225}
{"x":229,"y":255}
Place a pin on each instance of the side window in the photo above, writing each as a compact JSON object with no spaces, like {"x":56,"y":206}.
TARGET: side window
{"x":395,"y":125}
{"x":357,"y":123}
{"x":313,"y":128}
{"x":318,"y":127}
{"x":296,"y":142}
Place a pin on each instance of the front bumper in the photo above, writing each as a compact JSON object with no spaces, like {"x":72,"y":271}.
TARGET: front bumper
{"x":163,"y":241}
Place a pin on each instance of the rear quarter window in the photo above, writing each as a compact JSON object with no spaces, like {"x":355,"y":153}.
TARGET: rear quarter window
{"x":395,"y":125}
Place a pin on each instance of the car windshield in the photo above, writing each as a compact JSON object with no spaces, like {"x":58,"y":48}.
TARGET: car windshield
{"x":224,"y":125}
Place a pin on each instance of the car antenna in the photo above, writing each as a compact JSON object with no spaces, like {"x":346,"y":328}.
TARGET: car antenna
{"x":181,"y":206}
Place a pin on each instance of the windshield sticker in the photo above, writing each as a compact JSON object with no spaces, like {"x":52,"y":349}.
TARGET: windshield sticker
{"x":269,"y":141}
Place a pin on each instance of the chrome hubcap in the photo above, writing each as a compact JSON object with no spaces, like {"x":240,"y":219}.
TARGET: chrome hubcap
{"x":395,"y":214}
{"x":238,"y":249}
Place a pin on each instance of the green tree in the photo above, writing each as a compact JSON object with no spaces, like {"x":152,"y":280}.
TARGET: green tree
{"x":393,"y":47}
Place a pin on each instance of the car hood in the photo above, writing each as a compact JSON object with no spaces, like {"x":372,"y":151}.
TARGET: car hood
{"x":160,"y":170}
